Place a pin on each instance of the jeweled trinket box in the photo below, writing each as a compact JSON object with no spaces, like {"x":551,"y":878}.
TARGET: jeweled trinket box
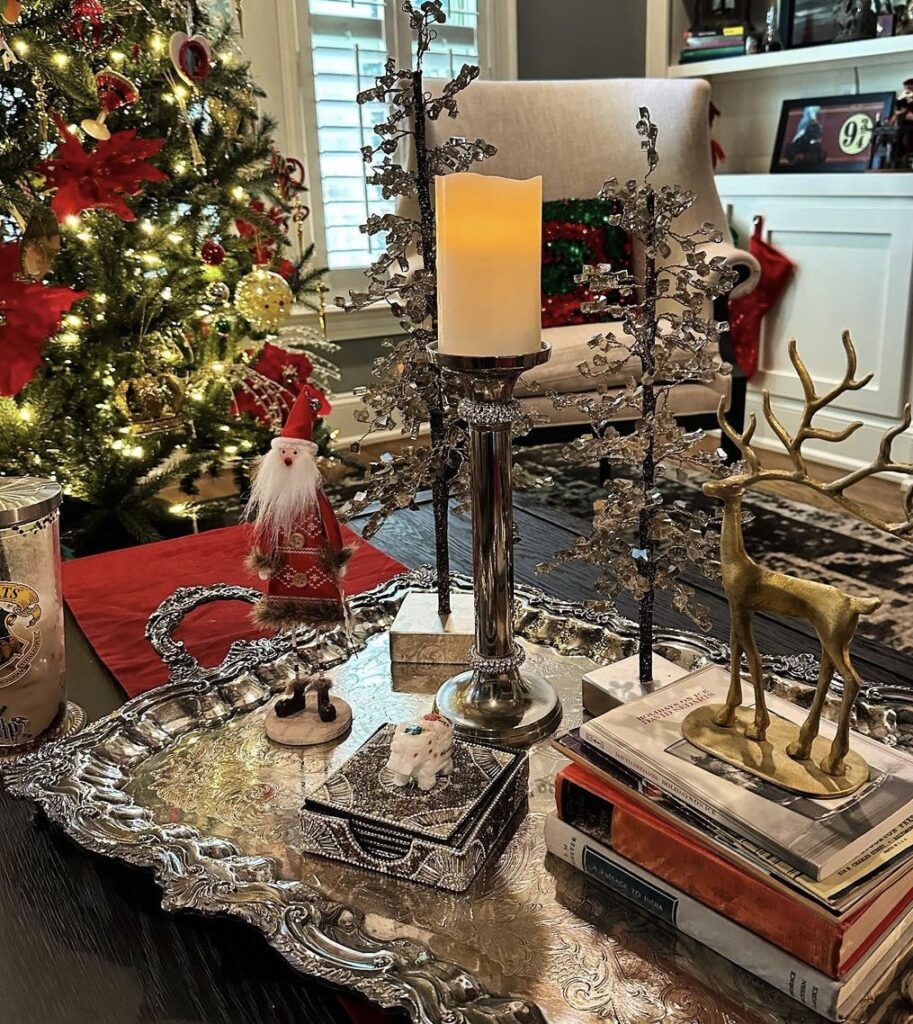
{"x":441,"y":837}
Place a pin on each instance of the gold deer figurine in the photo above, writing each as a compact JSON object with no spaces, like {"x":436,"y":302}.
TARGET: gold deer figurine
{"x":750,"y":588}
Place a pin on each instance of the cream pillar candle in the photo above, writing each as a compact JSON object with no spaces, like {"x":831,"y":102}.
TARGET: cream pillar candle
{"x":489,"y":264}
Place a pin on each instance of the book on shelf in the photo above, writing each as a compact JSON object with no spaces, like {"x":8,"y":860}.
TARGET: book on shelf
{"x":819,"y":837}
{"x":831,"y":998}
{"x":832,"y":943}
{"x":725,"y":32}
{"x":712,"y":42}
{"x":717,"y":53}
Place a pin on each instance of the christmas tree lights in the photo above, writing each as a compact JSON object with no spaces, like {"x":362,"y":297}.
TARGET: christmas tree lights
{"x":139,"y":133}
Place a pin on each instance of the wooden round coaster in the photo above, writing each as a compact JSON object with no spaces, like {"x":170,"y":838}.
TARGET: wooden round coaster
{"x":305,"y":729}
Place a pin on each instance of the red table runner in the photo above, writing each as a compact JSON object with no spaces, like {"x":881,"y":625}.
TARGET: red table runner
{"x":112,"y":596}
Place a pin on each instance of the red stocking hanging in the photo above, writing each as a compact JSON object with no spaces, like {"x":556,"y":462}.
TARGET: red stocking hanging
{"x":746,"y":314}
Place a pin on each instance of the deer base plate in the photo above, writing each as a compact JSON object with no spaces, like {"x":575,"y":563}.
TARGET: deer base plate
{"x":767,"y":759}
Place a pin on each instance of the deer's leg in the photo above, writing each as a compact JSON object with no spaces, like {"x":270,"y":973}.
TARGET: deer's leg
{"x":801,"y":748}
{"x":832,"y":763}
{"x":726,"y":715}
{"x":757,"y":729}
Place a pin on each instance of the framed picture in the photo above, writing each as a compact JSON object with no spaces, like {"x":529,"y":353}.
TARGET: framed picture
{"x":830,"y":134}
{"x":807,"y":22}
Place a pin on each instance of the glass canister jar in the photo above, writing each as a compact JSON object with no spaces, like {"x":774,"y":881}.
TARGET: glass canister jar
{"x":32,"y":668}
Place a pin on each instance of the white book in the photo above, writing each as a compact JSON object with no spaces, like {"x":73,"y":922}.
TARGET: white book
{"x":832,"y":999}
{"x":819,"y":837}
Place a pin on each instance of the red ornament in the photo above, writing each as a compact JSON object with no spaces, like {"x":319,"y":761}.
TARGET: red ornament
{"x":86,"y":20}
{"x":291,"y":370}
{"x":114,"y":92}
{"x":212,"y":253}
{"x":286,"y":268}
{"x":30,"y":313}
{"x":191,"y":57}
{"x":262,"y":249}
{"x":101,"y":178}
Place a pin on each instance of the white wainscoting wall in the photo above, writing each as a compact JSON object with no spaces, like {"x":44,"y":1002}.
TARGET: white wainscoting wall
{"x":851,"y":237}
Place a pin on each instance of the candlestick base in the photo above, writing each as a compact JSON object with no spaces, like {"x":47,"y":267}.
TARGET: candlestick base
{"x":497,"y":703}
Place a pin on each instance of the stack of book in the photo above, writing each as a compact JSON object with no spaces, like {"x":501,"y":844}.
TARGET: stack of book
{"x":714,"y":44}
{"x":814,"y":897}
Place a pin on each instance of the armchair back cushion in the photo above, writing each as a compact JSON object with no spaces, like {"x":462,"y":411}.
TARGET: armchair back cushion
{"x":578,"y":133}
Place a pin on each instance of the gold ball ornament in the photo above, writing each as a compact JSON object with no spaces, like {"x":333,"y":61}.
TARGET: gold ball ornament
{"x":264,"y":299}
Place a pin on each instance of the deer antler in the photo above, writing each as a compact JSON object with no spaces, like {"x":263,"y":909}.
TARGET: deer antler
{"x":741,"y":441}
{"x":882,"y":463}
{"x":813,"y":403}
{"x":835,"y":490}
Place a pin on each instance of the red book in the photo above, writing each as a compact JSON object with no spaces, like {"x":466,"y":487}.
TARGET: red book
{"x":833,"y":944}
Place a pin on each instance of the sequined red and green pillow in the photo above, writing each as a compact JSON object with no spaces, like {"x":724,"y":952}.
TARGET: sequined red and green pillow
{"x":577,"y":232}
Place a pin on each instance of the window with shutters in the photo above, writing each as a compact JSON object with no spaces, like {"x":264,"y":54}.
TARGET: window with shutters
{"x":347,"y":43}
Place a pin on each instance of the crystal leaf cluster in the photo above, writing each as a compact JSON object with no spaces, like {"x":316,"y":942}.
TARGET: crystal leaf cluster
{"x":406,"y":389}
{"x":666,"y":338}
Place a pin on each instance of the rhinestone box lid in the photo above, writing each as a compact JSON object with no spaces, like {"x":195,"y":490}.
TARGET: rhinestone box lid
{"x":363,"y":790}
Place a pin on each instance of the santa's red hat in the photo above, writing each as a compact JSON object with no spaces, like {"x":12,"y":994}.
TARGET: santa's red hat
{"x":299,"y":427}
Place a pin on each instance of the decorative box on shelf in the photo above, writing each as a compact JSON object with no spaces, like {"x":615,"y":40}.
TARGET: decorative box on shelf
{"x":441,"y":837}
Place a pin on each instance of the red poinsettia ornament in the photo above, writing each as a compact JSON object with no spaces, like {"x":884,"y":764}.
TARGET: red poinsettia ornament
{"x":100,"y":178}
{"x":291,"y":371}
{"x":30,"y":313}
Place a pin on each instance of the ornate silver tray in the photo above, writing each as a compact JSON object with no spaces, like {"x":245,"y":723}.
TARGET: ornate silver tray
{"x":182,"y":780}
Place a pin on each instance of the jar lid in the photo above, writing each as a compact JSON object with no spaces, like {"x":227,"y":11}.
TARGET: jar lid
{"x":24,"y":498}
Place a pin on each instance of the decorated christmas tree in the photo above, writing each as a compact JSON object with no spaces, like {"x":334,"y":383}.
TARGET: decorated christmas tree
{"x":145,"y":259}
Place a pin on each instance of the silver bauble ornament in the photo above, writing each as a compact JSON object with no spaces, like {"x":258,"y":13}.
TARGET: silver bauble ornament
{"x":264,"y":299}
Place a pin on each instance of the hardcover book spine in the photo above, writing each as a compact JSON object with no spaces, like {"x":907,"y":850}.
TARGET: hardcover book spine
{"x":691,"y":918}
{"x":664,"y":851}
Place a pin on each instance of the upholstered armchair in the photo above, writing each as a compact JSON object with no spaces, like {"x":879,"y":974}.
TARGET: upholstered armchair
{"x":576,"y":134}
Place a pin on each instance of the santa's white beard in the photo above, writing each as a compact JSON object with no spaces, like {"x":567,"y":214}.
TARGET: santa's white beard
{"x":281,"y":494}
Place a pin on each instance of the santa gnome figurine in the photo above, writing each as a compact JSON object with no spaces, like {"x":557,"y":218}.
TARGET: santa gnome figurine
{"x":298,"y":547}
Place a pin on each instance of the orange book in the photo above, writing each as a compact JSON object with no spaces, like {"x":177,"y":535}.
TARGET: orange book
{"x":830,"y":943}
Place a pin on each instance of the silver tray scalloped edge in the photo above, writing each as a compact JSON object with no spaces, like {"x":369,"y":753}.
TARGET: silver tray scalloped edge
{"x":80,"y":781}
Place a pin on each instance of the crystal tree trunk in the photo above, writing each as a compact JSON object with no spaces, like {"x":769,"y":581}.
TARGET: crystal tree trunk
{"x":640,"y":542}
{"x":406,"y":388}
{"x":440,"y":487}
{"x":646,"y":567}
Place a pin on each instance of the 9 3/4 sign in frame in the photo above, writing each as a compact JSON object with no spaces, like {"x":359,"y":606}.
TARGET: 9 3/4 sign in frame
{"x":829,"y":134}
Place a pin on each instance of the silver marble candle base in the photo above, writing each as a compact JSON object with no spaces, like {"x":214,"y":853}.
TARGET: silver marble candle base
{"x":419,"y":635}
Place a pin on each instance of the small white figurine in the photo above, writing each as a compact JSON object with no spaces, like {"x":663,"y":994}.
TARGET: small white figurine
{"x":421,"y":749}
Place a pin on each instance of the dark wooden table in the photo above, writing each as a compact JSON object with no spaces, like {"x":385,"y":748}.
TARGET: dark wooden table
{"x":85,"y":941}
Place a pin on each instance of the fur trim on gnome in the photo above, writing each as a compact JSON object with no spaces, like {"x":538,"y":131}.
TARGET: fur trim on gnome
{"x":260,"y":563}
{"x":336,"y":560}
{"x":290,"y":613}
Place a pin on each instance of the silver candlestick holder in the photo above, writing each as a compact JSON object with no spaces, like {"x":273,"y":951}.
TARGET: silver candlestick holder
{"x":494,"y":699}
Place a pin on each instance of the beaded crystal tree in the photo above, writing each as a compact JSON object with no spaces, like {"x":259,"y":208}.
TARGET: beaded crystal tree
{"x":406,"y":388}
{"x":640,"y":542}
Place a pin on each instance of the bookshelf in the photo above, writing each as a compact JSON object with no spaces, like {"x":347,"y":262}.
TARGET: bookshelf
{"x":851,"y":235}
{"x":864,"y":51}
